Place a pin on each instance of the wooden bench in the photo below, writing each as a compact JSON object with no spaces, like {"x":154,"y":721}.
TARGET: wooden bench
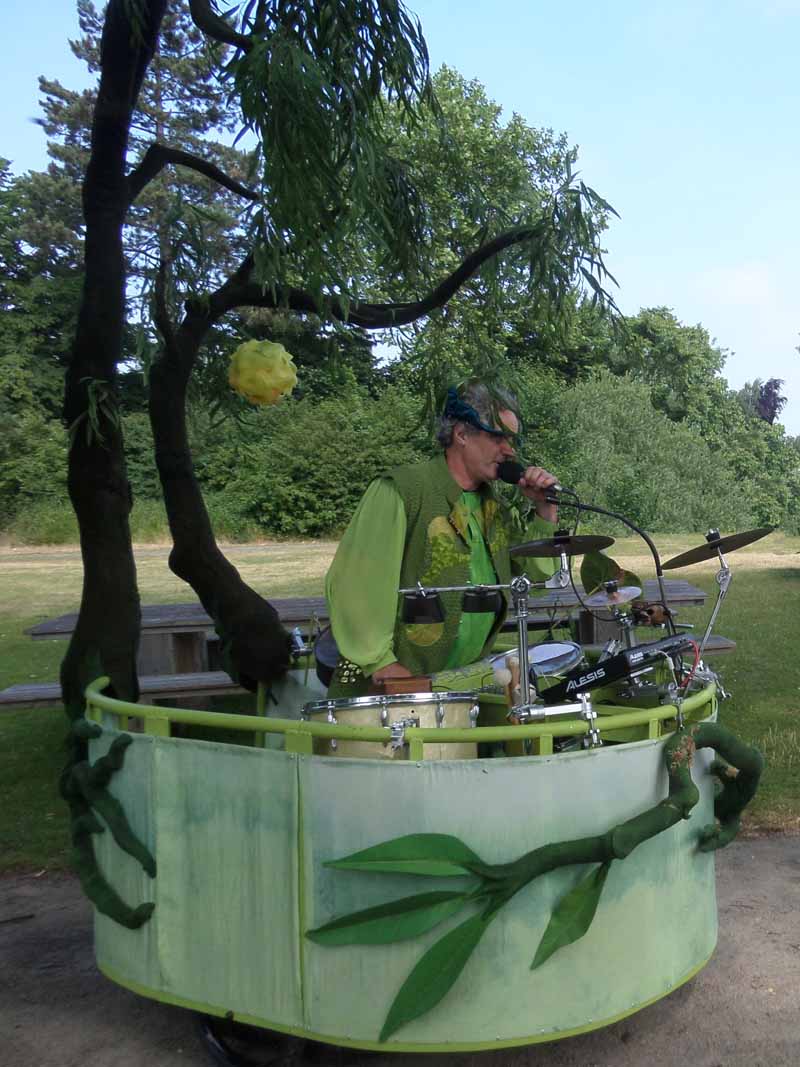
{"x":155,"y":686}
{"x":206,"y":683}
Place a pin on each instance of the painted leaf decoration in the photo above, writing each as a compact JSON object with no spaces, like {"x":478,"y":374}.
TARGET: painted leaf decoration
{"x":386,"y":923}
{"x":433,"y":854}
{"x":572,"y":916}
{"x":435,"y":974}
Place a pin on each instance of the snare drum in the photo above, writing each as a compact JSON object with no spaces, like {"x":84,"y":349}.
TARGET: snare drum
{"x":552,"y":658}
{"x":432,"y":710}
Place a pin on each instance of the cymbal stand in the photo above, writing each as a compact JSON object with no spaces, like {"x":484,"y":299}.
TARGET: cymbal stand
{"x":520,"y":588}
{"x":626,"y":623}
{"x":723,"y":578}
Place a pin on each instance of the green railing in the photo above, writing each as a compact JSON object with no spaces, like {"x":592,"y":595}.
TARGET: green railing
{"x":299,"y":734}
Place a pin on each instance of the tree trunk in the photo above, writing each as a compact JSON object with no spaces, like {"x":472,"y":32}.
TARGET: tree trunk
{"x":106,"y":636}
{"x":254,"y":644}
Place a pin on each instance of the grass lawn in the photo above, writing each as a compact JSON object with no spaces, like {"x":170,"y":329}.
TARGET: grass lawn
{"x":763,"y":674}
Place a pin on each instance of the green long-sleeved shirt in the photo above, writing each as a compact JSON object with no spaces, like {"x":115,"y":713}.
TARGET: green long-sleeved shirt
{"x":362,"y":582}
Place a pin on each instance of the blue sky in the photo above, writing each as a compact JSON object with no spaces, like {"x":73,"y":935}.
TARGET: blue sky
{"x":686,"y":118}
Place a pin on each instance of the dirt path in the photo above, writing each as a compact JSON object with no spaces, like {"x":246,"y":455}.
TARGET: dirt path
{"x":743,"y":1010}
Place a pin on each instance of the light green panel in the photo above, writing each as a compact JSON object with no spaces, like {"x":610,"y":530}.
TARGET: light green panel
{"x":655,"y":924}
{"x":227,"y":896}
{"x":225,"y":927}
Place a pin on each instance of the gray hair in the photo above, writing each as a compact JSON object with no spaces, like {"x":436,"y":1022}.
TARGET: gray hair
{"x":486,"y":402}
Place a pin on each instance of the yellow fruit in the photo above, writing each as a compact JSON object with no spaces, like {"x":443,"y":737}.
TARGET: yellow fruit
{"x":262,"y":372}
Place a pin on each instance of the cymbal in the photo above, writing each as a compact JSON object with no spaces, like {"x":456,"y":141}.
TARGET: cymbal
{"x":623,"y":595}
{"x":723,"y":544}
{"x":554,"y":546}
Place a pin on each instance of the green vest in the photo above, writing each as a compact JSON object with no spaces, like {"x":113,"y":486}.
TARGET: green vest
{"x":437,"y":553}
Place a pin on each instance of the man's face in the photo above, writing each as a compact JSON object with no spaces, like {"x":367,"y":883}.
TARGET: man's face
{"x":484,"y":451}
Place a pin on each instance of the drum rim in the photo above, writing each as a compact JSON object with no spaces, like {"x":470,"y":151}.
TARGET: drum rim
{"x":543,"y":645}
{"x":468,"y":696}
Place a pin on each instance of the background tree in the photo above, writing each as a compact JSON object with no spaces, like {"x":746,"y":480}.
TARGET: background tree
{"x":771,"y":401}
{"x":39,"y":287}
{"x":485,"y":174}
{"x":184,"y":218}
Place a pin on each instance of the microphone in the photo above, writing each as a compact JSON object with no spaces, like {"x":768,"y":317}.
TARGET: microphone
{"x":510,"y":471}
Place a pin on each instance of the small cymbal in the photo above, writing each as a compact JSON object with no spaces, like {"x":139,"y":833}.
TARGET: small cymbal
{"x":723,"y":544}
{"x":554,"y":546}
{"x":604,"y":599}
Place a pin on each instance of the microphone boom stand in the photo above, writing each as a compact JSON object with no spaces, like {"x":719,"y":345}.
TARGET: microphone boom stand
{"x":557,"y":499}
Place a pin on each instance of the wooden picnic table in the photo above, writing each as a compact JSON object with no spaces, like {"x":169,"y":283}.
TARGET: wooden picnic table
{"x":174,"y":643}
{"x":174,"y":637}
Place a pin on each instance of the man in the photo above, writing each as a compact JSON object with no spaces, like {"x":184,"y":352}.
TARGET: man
{"x":438,"y":523}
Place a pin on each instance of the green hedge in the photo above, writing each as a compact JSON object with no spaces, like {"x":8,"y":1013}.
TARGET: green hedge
{"x":299,"y":469}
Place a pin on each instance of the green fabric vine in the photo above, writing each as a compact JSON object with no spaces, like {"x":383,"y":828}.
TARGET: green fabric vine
{"x":442,"y":855}
{"x":85,"y":788}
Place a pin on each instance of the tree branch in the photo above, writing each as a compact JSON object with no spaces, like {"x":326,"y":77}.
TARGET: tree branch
{"x":202,"y":311}
{"x":160,"y":311}
{"x":248,"y":292}
{"x":212,"y":25}
{"x":158,"y":156}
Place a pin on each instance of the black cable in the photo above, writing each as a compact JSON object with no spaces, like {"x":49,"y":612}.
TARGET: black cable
{"x":573,"y":533}
{"x":576,"y":503}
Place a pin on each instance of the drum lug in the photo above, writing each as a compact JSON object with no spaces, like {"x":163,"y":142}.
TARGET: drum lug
{"x":334,"y":722}
{"x":473,"y":714}
{"x":439,"y":714}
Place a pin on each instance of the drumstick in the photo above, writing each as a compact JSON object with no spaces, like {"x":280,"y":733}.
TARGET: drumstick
{"x":512,"y":662}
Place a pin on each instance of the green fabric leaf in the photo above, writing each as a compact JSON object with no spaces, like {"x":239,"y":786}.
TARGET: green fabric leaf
{"x":596,"y":569}
{"x":572,"y":916}
{"x":434,"y":974}
{"x":433,"y":854}
{"x":629,"y":578}
{"x":386,"y":923}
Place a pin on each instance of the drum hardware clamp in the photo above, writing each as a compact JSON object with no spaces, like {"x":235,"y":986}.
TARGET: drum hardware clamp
{"x":526,"y":714}
{"x":592,"y":738}
{"x":398,"y":729}
{"x":679,"y":716}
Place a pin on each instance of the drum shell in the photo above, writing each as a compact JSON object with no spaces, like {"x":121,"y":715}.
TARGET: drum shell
{"x":458,"y":710}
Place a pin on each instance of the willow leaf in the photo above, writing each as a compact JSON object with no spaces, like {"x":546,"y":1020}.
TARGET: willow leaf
{"x":398,"y":920}
{"x":426,"y":854}
{"x":572,"y":916}
{"x":435,"y":974}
